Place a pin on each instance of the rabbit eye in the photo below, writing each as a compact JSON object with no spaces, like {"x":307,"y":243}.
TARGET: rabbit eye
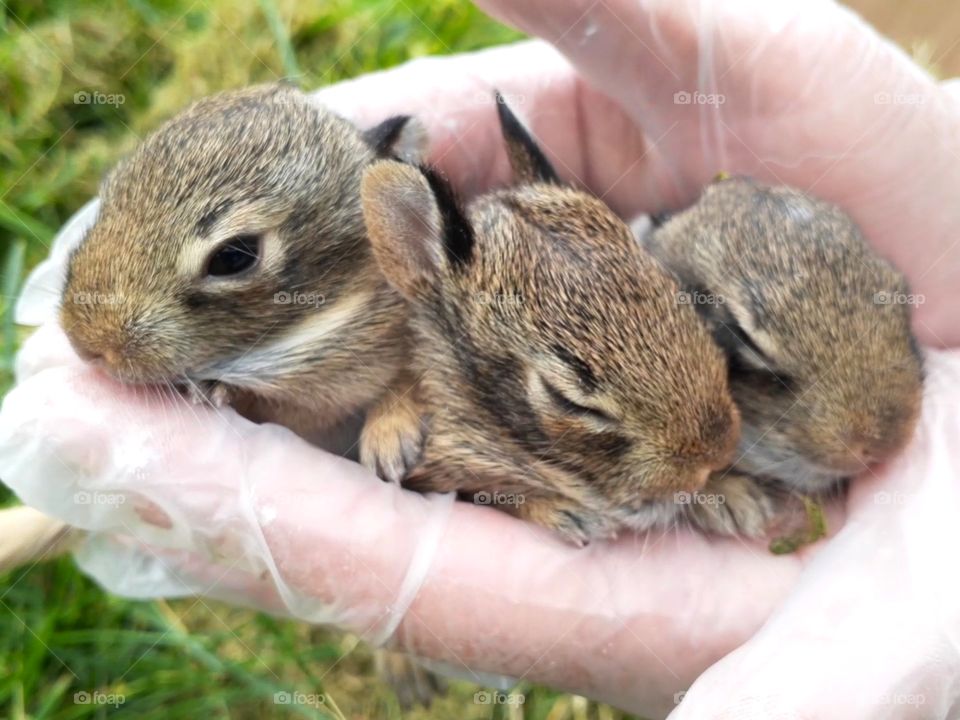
{"x":236,"y":255}
{"x":738,"y":344}
{"x":570,"y":407}
{"x":746,"y":359}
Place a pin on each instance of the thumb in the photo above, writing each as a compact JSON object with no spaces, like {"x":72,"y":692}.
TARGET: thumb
{"x":830,"y":652}
{"x":791,"y":93}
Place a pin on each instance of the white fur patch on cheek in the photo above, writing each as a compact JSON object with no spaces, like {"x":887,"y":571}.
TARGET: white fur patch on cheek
{"x":260,"y":367}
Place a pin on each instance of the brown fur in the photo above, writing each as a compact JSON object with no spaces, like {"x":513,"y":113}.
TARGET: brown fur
{"x":552,"y":287}
{"x":258,"y":161}
{"x":836,"y":384}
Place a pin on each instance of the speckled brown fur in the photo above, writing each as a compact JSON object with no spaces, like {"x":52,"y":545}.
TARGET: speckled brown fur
{"x":309,"y":337}
{"x":560,"y":371}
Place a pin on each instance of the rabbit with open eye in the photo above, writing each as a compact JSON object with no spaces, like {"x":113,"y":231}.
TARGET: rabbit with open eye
{"x":823,"y":365}
{"x":562,"y":379}
{"x":230,"y":256}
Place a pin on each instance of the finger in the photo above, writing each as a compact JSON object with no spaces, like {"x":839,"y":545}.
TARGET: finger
{"x":903,"y":642}
{"x":40,"y":296}
{"x":259,"y":504}
{"x":47,"y":347}
{"x":792,"y":93}
{"x":652,"y":612}
{"x":587,"y":136}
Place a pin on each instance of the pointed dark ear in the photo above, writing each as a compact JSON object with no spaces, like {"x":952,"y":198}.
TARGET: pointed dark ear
{"x":415,"y":226}
{"x":401,"y":136}
{"x":526,"y":158}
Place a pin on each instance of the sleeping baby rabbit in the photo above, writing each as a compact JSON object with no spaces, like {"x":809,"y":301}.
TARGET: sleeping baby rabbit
{"x":823,"y":365}
{"x":562,"y":379}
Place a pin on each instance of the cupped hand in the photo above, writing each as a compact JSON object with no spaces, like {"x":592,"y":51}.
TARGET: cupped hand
{"x":195,"y":501}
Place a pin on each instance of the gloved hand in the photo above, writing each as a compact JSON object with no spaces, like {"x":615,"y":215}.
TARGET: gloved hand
{"x":660,"y":96}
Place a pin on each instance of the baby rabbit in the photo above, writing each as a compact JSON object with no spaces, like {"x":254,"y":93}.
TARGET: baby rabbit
{"x":823,"y":365}
{"x":230,"y":256}
{"x":563,"y":381}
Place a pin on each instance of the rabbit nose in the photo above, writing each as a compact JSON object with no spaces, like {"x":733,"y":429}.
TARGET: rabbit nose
{"x":699,"y":479}
{"x":106,"y":358}
{"x":860,"y":452}
{"x":859,"y":455}
{"x":87,"y":354}
{"x":688,"y":482}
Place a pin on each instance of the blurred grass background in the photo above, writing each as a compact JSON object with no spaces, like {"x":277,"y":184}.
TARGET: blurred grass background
{"x":59,"y":634}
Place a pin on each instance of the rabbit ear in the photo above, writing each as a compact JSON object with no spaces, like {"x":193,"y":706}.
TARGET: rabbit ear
{"x":526,"y":158}
{"x":416,"y":226}
{"x":401,"y":136}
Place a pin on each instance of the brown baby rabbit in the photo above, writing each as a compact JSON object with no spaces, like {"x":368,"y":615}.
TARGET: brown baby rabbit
{"x":230,"y":256}
{"x":563,"y":381}
{"x":823,"y":365}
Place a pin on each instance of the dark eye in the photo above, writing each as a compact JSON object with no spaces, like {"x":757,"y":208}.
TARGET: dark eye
{"x":236,"y":255}
{"x":735,"y":342}
{"x":571,"y":408}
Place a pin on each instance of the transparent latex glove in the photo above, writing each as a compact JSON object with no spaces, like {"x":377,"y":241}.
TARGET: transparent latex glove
{"x":632,"y":622}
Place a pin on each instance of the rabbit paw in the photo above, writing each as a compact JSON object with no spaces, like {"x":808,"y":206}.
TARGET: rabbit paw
{"x":575,"y":523}
{"x":735,"y":504}
{"x":391,"y":442}
{"x":208,"y":392}
{"x":412,"y":683}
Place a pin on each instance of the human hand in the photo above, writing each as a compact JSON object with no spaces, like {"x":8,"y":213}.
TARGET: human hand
{"x":680,"y":618}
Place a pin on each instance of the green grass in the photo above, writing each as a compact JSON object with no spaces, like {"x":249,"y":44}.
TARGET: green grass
{"x":59,"y":634}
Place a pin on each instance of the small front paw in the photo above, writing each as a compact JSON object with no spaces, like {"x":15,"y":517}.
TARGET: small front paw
{"x":575,"y":523}
{"x":732,"y":503}
{"x":208,"y":392}
{"x":392,"y":440}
